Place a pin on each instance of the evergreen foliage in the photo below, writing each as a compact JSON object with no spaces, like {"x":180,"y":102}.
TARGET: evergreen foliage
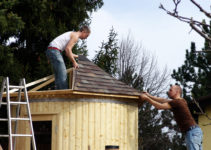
{"x":195,"y":74}
{"x":106,"y":58}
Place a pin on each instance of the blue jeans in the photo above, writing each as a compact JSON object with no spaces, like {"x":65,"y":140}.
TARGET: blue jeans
{"x":59,"y":68}
{"x":193,"y":139}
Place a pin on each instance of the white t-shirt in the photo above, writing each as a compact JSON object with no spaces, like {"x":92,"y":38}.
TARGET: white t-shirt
{"x":61,"y":41}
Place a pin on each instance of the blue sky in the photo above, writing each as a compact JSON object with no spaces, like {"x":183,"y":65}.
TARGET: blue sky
{"x":164,"y":36}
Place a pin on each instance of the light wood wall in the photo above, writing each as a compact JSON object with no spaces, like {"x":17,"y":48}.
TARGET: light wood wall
{"x":79,"y":124}
{"x":205,"y":125}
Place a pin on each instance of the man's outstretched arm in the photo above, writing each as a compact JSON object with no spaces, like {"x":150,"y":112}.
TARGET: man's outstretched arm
{"x":157,"y":99}
{"x":156,"y":104}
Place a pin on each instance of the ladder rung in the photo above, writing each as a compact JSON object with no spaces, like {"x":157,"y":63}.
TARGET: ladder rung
{"x":14,"y":103}
{"x":16,"y":87}
{"x":14,"y":119}
{"x":4,"y":135}
{"x":3,"y":103}
{"x":22,"y":135}
{"x":3,"y":119}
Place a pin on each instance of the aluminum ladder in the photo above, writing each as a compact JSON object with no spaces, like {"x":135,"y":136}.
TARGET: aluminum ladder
{"x":12,"y":135}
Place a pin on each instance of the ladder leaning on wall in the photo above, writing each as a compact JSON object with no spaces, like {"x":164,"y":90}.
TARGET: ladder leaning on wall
{"x":12,"y":135}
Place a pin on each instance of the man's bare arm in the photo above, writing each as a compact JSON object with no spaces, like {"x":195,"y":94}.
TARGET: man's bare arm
{"x":155,"y":103}
{"x":69,"y":48}
{"x":157,"y":99}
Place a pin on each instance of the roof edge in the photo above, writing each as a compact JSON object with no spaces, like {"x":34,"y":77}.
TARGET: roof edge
{"x":67,"y":92}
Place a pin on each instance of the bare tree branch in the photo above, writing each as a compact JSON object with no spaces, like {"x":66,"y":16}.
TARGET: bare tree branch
{"x":141,"y":66}
{"x":194,"y":24}
{"x":201,"y":9}
{"x":200,"y":32}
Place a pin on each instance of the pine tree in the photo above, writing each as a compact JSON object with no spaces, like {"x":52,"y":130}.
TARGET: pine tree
{"x":106,"y":58}
{"x":195,"y":74}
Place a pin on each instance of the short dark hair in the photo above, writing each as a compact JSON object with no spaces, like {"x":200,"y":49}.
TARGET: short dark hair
{"x":85,"y":28}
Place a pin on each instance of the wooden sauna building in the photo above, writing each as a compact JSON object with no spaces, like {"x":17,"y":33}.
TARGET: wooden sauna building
{"x":96,"y":111}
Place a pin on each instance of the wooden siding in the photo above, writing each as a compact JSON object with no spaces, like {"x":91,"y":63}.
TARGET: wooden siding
{"x":205,"y":125}
{"x":79,"y":124}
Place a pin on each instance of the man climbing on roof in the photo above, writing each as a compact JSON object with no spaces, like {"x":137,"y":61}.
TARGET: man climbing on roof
{"x":64,"y":42}
{"x":182,"y":115}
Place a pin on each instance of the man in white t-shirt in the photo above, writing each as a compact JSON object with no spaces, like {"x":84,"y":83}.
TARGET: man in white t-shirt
{"x":64,"y":42}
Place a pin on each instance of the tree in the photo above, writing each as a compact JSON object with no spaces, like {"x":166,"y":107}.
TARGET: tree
{"x":33,"y":24}
{"x":134,"y":63}
{"x":106,"y":58}
{"x":195,"y":74}
{"x":128,"y":63}
{"x":201,"y":27}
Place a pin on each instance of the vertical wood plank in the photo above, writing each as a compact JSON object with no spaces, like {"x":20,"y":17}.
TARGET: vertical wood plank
{"x":85,"y":126}
{"x":78,"y":125}
{"x":66,"y":125}
{"x":117,"y":124}
{"x":108,"y":123}
{"x":72,"y":124}
{"x":131,"y":127}
{"x":121,"y":134}
{"x":59,"y":106}
{"x":113,"y":121}
{"x":136,"y":127}
{"x":102,"y":124}
{"x":45,"y":107}
{"x":91,"y":126}
{"x":97,"y":125}
{"x":125,"y":127}
{"x":54,"y":133}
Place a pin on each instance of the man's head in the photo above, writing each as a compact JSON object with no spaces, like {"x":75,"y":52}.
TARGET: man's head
{"x":175,"y":92}
{"x":85,"y":31}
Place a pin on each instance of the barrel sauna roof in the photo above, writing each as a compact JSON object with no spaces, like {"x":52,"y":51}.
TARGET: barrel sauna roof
{"x":91,"y":78}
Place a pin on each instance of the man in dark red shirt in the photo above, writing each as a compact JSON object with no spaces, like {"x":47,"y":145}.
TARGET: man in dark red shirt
{"x":182,"y":115}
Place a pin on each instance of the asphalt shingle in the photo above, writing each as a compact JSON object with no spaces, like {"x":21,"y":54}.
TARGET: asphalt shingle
{"x":91,"y":78}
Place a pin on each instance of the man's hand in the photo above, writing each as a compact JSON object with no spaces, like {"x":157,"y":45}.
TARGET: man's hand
{"x":141,"y":100}
{"x":75,"y":65}
{"x":143,"y":96}
{"x":75,"y":56}
{"x":157,"y":104}
{"x":146,"y":93}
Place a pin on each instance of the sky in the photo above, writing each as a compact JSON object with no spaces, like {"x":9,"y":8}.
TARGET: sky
{"x":162,"y":35}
